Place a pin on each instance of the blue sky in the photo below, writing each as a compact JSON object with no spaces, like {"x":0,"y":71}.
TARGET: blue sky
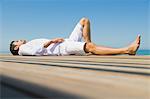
{"x":114,"y":23}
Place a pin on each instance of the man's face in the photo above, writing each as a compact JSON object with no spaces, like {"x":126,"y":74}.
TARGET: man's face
{"x":18,"y":43}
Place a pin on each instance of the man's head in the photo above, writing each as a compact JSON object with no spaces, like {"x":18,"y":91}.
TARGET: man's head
{"x":14,"y":46}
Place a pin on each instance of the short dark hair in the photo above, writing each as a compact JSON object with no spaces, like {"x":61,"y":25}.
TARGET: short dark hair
{"x":12,"y":50}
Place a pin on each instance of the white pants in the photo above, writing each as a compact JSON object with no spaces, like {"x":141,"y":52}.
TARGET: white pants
{"x":74,"y":44}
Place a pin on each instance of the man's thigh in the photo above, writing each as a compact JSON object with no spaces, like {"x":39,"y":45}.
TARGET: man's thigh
{"x":77,"y":33}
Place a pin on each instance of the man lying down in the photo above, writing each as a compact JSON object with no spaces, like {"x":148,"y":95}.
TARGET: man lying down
{"x":70,"y":46}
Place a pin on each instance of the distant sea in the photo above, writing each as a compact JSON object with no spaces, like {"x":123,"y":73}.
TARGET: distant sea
{"x":139,"y":52}
{"x":143,"y":52}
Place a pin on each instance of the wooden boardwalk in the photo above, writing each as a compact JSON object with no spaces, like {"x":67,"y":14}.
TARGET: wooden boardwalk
{"x":94,"y":77}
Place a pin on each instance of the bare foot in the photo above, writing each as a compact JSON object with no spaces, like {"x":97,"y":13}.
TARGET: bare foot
{"x":134,"y":46}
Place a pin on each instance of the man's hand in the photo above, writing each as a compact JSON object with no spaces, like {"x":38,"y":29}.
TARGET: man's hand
{"x":56,"y":40}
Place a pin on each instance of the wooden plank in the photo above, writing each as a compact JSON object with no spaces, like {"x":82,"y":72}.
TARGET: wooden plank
{"x":80,"y":61}
{"x":76,"y":82}
{"x":131,"y":59}
{"x":118,"y":69}
{"x":81,"y":76}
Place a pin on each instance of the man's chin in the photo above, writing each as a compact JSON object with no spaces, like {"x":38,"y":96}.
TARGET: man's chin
{"x":24,"y":42}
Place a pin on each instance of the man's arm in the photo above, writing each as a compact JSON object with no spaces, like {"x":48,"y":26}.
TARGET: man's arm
{"x":56,"y":40}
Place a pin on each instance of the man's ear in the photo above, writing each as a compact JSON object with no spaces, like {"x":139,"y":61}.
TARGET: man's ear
{"x":16,"y":47}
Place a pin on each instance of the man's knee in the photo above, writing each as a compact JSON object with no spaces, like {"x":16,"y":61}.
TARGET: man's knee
{"x":84,"y":21}
{"x":89,"y":47}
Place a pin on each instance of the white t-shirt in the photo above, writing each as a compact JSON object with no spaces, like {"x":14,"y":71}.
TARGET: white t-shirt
{"x":36,"y":47}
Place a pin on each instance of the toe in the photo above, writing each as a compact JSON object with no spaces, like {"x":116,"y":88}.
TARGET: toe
{"x":138,"y":39}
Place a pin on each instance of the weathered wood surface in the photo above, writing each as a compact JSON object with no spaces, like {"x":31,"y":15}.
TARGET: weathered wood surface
{"x":102,"y":77}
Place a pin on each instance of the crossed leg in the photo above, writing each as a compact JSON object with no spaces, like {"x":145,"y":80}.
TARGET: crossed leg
{"x":101,"y":50}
